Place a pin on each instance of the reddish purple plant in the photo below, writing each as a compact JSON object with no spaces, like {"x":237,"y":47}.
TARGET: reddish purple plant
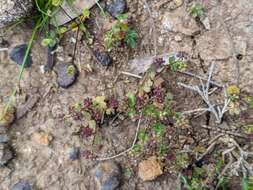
{"x":87,"y":102}
{"x":158,"y":62}
{"x":87,"y":132}
{"x":113,"y":103}
{"x":159,"y":94}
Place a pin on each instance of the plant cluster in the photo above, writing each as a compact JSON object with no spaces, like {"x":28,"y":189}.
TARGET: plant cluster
{"x":121,"y":32}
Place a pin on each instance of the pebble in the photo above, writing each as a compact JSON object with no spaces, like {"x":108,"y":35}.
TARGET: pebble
{"x":17,"y":55}
{"x":107,"y":176}
{"x":149,"y":169}
{"x":103,"y":58}
{"x":117,"y":7}
{"x":42,"y":138}
{"x":66,"y":75}
{"x":4,"y":138}
{"x":74,"y":153}
{"x":22,"y":185}
{"x":6,"y":154}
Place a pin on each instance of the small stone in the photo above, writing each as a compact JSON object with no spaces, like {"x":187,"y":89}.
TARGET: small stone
{"x":178,"y":2}
{"x":66,"y":75}
{"x":4,"y":138}
{"x":205,"y":21}
{"x":149,"y":169}
{"x":17,"y":55}
{"x":117,"y":7}
{"x":22,"y":185}
{"x":103,"y":58}
{"x":107,"y":176}
{"x":42,"y":138}
{"x":74,"y":153}
{"x":6,"y":154}
{"x":6,"y":116}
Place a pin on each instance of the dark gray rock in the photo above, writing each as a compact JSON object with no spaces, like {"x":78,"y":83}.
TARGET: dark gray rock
{"x":117,"y":7}
{"x":17,"y":55}
{"x":66,"y":75}
{"x":22,"y":185}
{"x":4,"y":138}
{"x":74,"y":153}
{"x":103,"y":58}
{"x":13,"y":10}
{"x":6,"y":154}
{"x":107,"y":176}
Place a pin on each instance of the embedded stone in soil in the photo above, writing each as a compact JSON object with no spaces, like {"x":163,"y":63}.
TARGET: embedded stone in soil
{"x":150,"y":169}
{"x":107,"y":176}
{"x":117,"y":7}
{"x":6,"y":154}
{"x":103,"y":58}
{"x":74,"y":153}
{"x":4,"y":138}
{"x":17,"y":55}
{"x":66,"y":75}
{"x":22,"y":185}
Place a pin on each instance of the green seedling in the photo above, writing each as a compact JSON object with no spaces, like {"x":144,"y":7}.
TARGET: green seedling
{"x":71,"y":70}
{"x":143,"y":137}
{"x":163,"y":150}
{"x":151,"y":111}
{"x":131,"y":100}
{"x":197,"y":10}
{"x":159,"y":129}
{"x":176,"y":64}
{"x":121,"y":31}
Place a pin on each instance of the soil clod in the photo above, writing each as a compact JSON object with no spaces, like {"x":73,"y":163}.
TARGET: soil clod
{"x":150,"y":169}
{"x":17,"y":55}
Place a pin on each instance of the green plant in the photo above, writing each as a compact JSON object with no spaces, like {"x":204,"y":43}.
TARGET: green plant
{"x":45,"y":10}
{"x":121,"y":31}
{"x":197,"y":10}
{"x":71,"y":70}
{"x":159,"y":129}
{"x":247,"y":183}
{"x":176,"y":64}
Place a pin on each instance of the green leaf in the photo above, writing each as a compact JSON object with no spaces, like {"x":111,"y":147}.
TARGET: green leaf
{"x":122,"y":17}
{"x":56,"y":3}
{"x":86,"y":13}
{"x":131,"y":38}
{"x":142,"y":136}
{"x":150,"y":110}
{"x":160,"y":129}
{"x":131,"y":100}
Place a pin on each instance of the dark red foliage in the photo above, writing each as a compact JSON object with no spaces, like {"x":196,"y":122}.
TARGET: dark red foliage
{"x":113,"y":103}
{"x":158,"y":62}
{"x":75,"y":114}
{"x":87,"y":102}
{"x":139,"y":102}
{"x":159,"y":94}
{"x":87,"y":132}
{"x":96,"y":115}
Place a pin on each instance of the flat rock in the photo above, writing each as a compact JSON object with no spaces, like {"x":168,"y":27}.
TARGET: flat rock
{"x":69,"y":12}
{"x":22,"y":185}
{"x":179,"y":21}
{"x":13,"y":10}
{"x":66,"y":75}
{"x":107,"y":176}
{"x":214,"y":45}
{"x":6,"y":154}
{"x":149,"y":169}
{"x":117,"y":7}
{"x":17,"y":55}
